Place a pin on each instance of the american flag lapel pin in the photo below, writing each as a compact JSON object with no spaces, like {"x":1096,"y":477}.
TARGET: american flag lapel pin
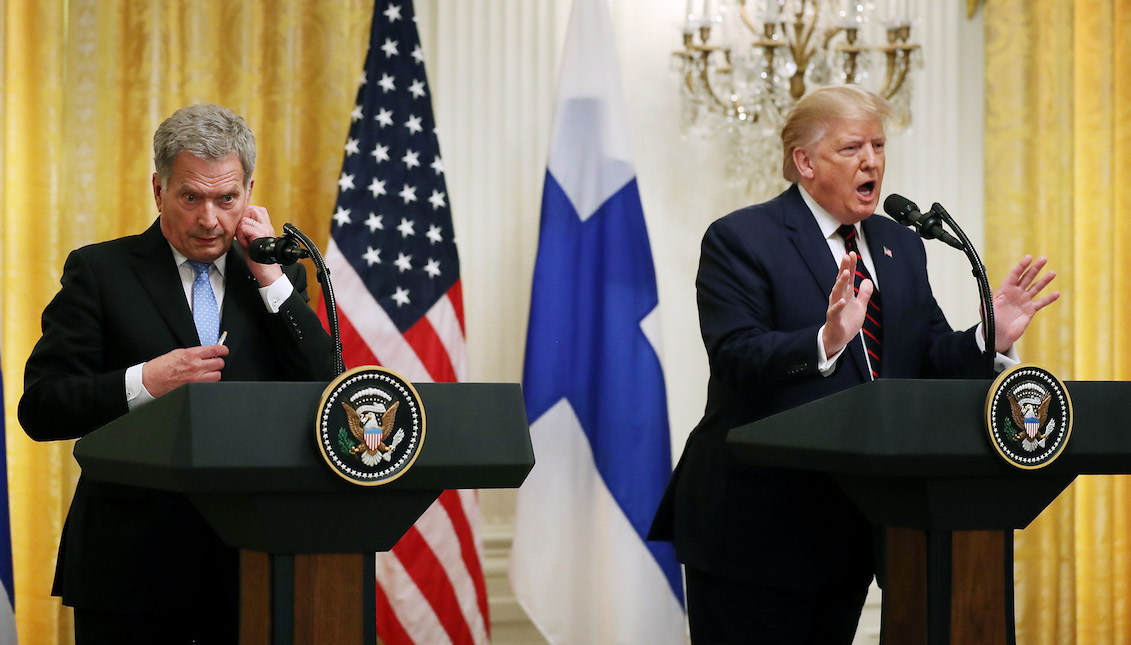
{"x":887,"y":252}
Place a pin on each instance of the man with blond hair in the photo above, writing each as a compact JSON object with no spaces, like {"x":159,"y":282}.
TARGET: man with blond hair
{"x":800,"y":297}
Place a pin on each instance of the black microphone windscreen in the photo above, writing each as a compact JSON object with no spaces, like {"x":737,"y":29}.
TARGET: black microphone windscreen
{"x":262,"y":250}
{"x":900,"y":208}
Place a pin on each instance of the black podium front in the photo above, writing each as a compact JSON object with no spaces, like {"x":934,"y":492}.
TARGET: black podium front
{"x":916,"y":459}
{"x":246,"y":455}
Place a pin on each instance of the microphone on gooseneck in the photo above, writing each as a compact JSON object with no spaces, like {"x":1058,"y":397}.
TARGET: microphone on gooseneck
{"x":276,"y":250}
{"x":928,"y":225}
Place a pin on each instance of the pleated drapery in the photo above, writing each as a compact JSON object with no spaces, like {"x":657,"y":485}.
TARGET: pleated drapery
{"x":1058,"y":143}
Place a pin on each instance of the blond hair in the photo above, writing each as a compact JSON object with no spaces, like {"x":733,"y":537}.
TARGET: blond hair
{"x":808,"y":121}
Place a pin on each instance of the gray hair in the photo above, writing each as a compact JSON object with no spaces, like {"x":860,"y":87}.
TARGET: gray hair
{"x":809,"y":120}
{"x":206,"y":131}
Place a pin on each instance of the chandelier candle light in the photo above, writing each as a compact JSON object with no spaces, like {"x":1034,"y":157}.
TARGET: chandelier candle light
{"x":745,"y":63}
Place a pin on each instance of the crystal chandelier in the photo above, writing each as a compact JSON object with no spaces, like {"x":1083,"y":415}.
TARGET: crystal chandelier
{"x":745,"y":63}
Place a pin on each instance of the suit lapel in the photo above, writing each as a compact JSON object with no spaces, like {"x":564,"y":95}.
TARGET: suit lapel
{"x":892,"y":279}
{"x":153,"y":265}
{"x":807,"y":239}
{"x":883,"y":244}
{"x":241,"y":300}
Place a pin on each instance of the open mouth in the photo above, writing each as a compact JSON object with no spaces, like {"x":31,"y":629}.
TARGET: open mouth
{"x":866,"y":189}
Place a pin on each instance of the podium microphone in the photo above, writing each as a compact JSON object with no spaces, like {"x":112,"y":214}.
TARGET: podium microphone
{"x":905,"y":212}
{"x":929,"y":226}
{"x":276,"y":250}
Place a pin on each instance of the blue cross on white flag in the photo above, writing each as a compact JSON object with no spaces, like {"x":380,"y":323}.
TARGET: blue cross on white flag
{"x":593,"y":383}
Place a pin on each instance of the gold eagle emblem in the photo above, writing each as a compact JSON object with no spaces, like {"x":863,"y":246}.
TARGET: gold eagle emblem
{"x":1030,"y":422}
{"x":358,"y":424}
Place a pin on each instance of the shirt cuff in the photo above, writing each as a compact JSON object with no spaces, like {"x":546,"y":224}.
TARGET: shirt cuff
{"x":276,"y":293}
{"x":1002,"y":362}
{"x":136,"y":394}
{"x":826,"y":364}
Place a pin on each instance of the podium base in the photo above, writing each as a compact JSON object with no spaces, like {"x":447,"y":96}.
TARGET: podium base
{"x":946,"y":587}
{"x":307,"y":599}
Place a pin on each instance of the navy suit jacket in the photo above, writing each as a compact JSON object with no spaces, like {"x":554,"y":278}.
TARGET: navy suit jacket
{"x":765,"y":276}
{"x":121,"y":303}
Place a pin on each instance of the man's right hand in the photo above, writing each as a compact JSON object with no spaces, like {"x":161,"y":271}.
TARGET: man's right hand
{"x":186,"y":365}
{"x":845,"y":315}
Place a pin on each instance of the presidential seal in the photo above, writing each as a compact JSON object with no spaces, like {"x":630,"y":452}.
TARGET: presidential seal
{"x":1028,"y":416}
{"x":370,"y":425}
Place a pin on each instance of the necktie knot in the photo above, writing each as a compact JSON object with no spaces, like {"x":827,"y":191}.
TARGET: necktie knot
{"x":200,"y":267}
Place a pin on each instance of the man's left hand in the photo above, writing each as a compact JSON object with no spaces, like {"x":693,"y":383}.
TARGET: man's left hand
{"x":254,"y":224}
{"x":1019,"y":299}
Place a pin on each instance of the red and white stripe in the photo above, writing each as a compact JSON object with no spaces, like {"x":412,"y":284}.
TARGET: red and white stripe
{"x":430,"y":586}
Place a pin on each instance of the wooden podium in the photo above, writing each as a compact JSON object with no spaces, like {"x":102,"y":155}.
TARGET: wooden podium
{"x":246,"y":455}
{"x":917,"y":460}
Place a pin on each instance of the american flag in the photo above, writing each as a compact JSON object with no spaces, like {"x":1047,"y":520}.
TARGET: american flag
{"x":393,"y":258}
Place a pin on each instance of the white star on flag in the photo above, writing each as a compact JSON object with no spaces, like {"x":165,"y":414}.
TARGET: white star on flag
{"x":375,"y":223}
{"x":403,"y":262}
{"x":433,"y":234}
{"x":408,"y":194}
{"x":405,"y":227}
{"x":377,"y":187}
{"x":342,"y":216}
{"x":410,"y":159}
{"x":372,"y":256}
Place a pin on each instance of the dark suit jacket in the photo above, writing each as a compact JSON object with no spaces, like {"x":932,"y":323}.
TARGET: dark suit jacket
{"x":121,"y":303}
{"x":764,"y":280}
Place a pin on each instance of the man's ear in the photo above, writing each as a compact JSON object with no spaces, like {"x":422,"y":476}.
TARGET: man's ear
{"x":157,"y":192}
{"x":804,"y":163}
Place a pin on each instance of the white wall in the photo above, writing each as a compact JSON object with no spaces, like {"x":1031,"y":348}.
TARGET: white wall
{"x":493,"y":73}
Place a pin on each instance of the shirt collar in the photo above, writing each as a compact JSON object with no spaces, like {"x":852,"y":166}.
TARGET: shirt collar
{"x":827,"y":223}
{"x":220,"y":263}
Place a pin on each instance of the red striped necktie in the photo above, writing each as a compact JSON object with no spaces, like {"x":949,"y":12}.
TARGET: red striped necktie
{"x":873,"y":332}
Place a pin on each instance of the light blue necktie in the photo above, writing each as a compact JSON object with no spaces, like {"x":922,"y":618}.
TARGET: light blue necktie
{"x":204,"y":310}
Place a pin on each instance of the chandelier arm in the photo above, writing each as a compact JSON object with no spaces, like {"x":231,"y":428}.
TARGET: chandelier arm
{"x":899,"y":67}
{"x":892,"y":57}
{"x":830,"y":33}
{"x":705,"y":76}
{"x":745,"y":15}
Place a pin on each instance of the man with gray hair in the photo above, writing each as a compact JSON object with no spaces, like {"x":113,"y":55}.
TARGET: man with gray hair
{"x":135,"y":318}
{"x":790,"y":309}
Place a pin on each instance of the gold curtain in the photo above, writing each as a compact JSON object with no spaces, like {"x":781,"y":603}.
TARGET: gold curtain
{"x":1058,"y":143}
{"x":84,"y":85}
